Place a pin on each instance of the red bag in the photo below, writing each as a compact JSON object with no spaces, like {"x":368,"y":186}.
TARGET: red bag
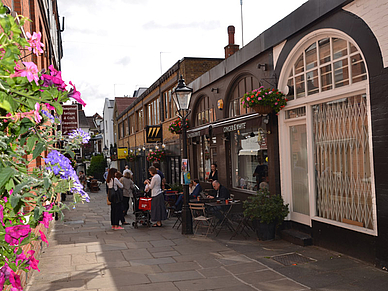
{"x":145,"y":203}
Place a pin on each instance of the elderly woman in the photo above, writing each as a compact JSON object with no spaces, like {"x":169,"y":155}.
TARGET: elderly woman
{"x":127,"y":190}
{"x":158,"y":208}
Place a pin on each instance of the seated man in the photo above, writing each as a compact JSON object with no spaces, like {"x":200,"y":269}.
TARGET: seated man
{"x":222,"y":192}
{"x":193,"y":195}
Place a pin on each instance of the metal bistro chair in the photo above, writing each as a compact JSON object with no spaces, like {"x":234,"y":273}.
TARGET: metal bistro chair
{"x":200,"y":217}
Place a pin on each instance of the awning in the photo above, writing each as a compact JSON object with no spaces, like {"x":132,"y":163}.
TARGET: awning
{"x":237,"y":123}
{"x":198,"y":131}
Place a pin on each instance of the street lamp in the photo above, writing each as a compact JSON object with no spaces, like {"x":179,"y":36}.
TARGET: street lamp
{"x":182,"y":96}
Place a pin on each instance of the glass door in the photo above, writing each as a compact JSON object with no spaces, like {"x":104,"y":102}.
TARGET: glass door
{"x":299,"y":172}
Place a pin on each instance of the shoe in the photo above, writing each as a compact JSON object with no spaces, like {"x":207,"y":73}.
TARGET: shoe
{"x":118,"y":227}
{"x":113,"y":227}
{"x":156,"y":225}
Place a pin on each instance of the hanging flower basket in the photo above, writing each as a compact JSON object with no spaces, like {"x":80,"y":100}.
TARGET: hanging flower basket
{"x":176,"y":126}
{"x":264,"y":101}
{"x":131,"y":157}
{"x":156,"y":156}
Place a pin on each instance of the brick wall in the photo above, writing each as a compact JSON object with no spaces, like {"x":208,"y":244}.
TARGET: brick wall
{"x":374,"y":13}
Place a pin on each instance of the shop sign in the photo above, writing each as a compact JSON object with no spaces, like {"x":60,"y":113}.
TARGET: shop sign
{"x":193,"y":134}
{"x":234,"y":127}
{"x":154,"y":133}
{"x":122,"y":153}
{"x":69,"y":118}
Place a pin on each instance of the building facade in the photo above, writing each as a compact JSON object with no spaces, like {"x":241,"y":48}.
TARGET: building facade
{"x":324,"y":152}
{"x":150,"y":115}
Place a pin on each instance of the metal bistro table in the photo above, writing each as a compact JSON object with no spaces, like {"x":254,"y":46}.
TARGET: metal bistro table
{"x":224,"y":209}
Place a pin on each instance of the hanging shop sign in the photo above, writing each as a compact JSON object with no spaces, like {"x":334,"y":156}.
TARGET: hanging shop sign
{"x":122,"y":153}
{"x":154,"y":133}
{"x":69,"y":118}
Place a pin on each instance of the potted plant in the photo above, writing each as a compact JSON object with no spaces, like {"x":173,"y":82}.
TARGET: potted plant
{"x":264,"y":101}
{"x":131,"y":156}
{"x":156,"y":156}
{"x":266,"y":212}
{"x":176,"y":126}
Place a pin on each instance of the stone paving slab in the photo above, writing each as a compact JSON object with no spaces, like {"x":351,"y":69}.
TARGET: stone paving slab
{"x":86,"y":254}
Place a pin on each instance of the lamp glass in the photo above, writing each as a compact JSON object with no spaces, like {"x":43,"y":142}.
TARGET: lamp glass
{"x":182,"y":95}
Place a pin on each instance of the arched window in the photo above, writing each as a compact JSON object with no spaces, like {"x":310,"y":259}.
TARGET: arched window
{"x":205,"y":112}
{"x":242,"y":86}
{"x":326,"y":64}
{"x":325,"y":133}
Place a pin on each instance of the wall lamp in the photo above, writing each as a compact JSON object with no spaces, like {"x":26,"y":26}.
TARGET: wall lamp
{"x":214,"y":90}
{"x":266,"y":119}
{"x":262,"y":66}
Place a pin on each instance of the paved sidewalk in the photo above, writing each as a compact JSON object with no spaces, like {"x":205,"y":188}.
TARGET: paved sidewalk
{"x":86,"y":254}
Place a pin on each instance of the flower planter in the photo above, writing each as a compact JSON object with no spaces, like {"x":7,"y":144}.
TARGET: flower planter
{"x":262,"y":109}
{"x":264,"y":231}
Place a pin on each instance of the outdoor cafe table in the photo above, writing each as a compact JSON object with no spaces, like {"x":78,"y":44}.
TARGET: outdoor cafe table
{"x":224,"y":209}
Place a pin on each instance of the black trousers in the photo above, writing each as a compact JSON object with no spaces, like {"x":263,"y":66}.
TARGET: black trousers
{"x":125,"y":205}
{"x":116,"y":213}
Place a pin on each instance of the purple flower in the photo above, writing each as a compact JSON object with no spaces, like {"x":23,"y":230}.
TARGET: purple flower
{"x":79,"y":133}
{"x":14,"y":233}
{"x":48,"y":115}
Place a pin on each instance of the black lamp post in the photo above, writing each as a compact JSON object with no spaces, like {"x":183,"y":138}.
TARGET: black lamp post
{"x":182,"y":96}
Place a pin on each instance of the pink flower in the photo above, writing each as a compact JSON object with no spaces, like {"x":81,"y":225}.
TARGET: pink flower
{"x":248,"y":99}
{"x":30,"y":71}
{"x":10,"y":193}
{"x":33,"y":261}
{"x":37,"y":116}
{"x":47,"y":217}
{"x":276,"y":103}
{"x":43,"y":237}
{"x":54,"y":79}
{"x":14,"y":233}
{"x":75,"y":95}
{"x":14,"y":279}
{"x":35,"y":44}
{"x":259,"y":98}
{"x":49,"y":107}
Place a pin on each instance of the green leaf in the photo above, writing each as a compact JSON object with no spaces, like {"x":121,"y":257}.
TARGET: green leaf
{"x":58,"y":108}
{"x":37,"y":212}
{"x":5,"y":105}
{"x":5,"y":175}
{"x":15,"y":199}
{"x":39,"y":148}
{"x":47,"y":183}
{"x":31,"y":142}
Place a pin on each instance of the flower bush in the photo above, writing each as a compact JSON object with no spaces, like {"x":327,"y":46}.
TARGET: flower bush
{"x":30,"y":106}
{"x":271,"y":97}
{"x":176,"y":126}
{"x":156,"y":156}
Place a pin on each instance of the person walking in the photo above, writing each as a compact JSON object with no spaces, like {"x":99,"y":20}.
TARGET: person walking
{"x":127,"y":191}
{"x":105,"y":176}
{"x":158,"y":208}
{"x":116,"y":209}
{"x":82,"y":179}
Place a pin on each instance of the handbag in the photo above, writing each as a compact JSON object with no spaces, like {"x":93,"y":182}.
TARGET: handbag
{"x":107,"y":200}
{"x":145,"y":203}
{"x":115,"y":196}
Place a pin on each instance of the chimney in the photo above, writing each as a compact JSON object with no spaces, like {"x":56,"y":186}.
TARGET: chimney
{"x":231,"y":48}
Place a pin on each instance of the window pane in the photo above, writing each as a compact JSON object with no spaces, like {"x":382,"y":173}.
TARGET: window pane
{"x":249,"y":152}
{"x":299,"y":65}
{"x":290,"y":84}
{"x":312,"y":82}
{"x":341,"y":74}
{"x":326,"y":78}
{"x":299,"y":84}
{"x":358,"y":68}
{"x":353,"y":49}
{"x":324,"y":50}
{"x":311,"y":56}
{"x":339,"y":48}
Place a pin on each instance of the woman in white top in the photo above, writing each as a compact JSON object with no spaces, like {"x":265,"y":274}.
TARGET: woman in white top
{"x":158,"y":208}
{"x":116,"y":207}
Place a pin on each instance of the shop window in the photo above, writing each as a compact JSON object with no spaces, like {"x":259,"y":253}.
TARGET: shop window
{"x":244,"y":85}
{"x":326,"y":64}
{"x":205,"y":113}
{"x":205,"y":149}
{"x":249,"y":159}
{"x":169,"y":105}
{"x":153,"y":112}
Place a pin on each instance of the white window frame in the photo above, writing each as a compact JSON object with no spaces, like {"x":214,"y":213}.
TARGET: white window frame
{"x":361,"y":87}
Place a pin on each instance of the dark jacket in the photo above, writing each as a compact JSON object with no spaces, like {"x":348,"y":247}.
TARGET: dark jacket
{"x":223,"y":193}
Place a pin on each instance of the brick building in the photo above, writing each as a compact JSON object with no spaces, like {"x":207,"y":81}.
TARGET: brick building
{"x":155,"y":107}
{"x":326,"y":149}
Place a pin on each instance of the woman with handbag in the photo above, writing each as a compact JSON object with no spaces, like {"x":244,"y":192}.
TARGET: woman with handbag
{"x":158,"y":208}
{"x":116,"y":198}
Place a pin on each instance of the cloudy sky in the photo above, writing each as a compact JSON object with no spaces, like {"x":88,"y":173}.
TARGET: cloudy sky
{"x":113,"y":47}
